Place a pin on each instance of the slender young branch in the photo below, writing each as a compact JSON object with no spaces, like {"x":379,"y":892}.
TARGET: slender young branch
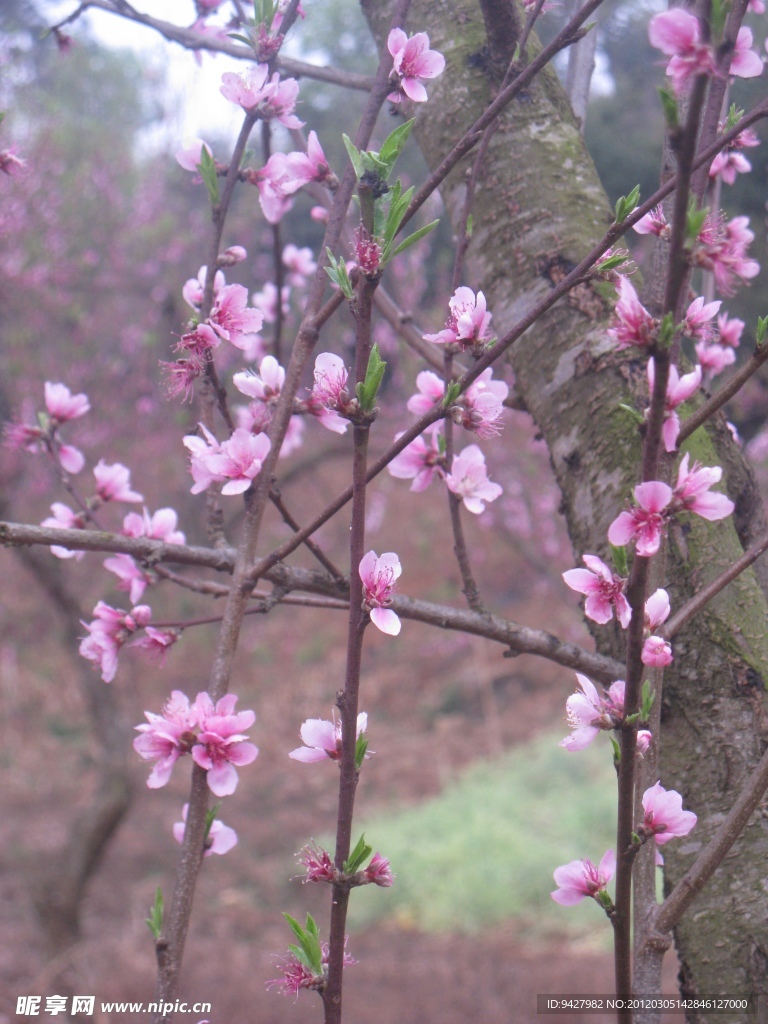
{"x":192,"y":40}
{"x":705,"y":595}
{"x":348,"y":700}
{"x":724,"y":394}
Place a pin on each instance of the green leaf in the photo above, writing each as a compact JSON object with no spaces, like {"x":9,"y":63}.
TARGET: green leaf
{"x":695,"y":222}
{"x":415,"y":237}
{"x":470,"y":225}
{"x":398,"y":204}
{"x":626,"y":204}
{"x":619,"y":556}
{"x":360,"y":750}
{"x":297,"y":929}
{"x":612,"y":263}
{"x":452,"y":392}
{"x":355,"y":156}
{"x":210,"y":817}
{"x":616,"y":751}
{"x":207,"y":169}
{"x":636,"y":416}
{"x":762,"y":327}
{"x":374,"y":373}
{"x":300,"y":955}
{"x":338,"y":274}
{"x":735,"y":114}
{"x":393,"y":146}
{"x":359,"y":855}
{"x":647,"y":698}
{"x":155,"y":920}
{"x":669,"y":106}
{"x":240,"y":38}
{"x":666,"y":330}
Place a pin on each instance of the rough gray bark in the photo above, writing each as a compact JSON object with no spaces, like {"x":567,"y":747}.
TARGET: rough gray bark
{"x":538,"y":209}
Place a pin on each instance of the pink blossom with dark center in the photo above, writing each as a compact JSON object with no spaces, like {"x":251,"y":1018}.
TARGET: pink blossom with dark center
{"x":318,"y":863}
{"x":62,"y":405}
{"x":587,"y":713}
{"x":722,"y":248}
{"x":379,"y":574}
{"x":697,"y":323}
{"x":237,"y":461}
{"x":155,"y":643}
{"x":322,"y":739}
{"x":108,"y":632}
{"x":603,"y":589}
{"x":580,"y":878}
{"x":656,"y":652}
{"x":264,"y":386}
{"x":635,"y":325}
{"x":419,"y":461}
{"x":221,"y":744}
{"x":644,"y":524}
{"x":181,"y":375}
{"x":692,"y":491}
{"x":469,"y":481}
{"x":220,"y":840}
{"x":379,"y":871}
{"x":678,"y":35}
{"x":297,"y":169}
{"x":679,"y":390}
{"x":481,"y":407}
{"x":167,"y":737}
{"x":268,"y":97}
{"x":113,"y":483}
{"x":414,"y":61}
{"x":231,"y":318}
{"x":654,"y":223}
{"x":664,"y":815}
{"x":468,"y":324}
{"x":331,"y":376}
{"x":198,"y":342}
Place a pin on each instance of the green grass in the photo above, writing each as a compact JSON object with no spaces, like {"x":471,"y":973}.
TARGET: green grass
{"x":485,"y":849}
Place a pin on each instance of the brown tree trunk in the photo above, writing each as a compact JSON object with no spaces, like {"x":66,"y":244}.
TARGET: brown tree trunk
{"x":539,"y":208}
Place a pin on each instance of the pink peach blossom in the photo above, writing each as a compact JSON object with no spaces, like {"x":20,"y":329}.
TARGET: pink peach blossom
{"x":64,"y":518}
{"x":62,"y":405}
{"x":220,"y":840}
{"x":221,"y":744}
{"x":419,"y":461}
{"x":713,"y":359}
{"x":231,"y":318}
{"x":194,"y":288}
{"x":635,"y":325}
{"x":644,"y":524}
{"x":379,"y":871}
{"x":654,"y":223}
{"x":587,"y":713}
{"x":322,"y":739}
{"x":697,"y":323}
{"x":379,"y":574}
{"x":317,"y":862}
{"x":603,"y":589}
{"x":414,"y":61}
{"x":113,"y":483}
{"x":656,"y":652}
{"x":72,"y":461}
{"x":581,"y":878}
{"x":677,"y":34}
{"x":745,"y":63}
{"x":191,"y":154}
{"x":166,"y":737}
{"x":469,"y":481}
{"x":730,"y":329}
{"x":468,"y":324}
{"x":268,"y":97}
{"x":159,"y":526}
{"x":108,"y":632}
{"x":679,"y":390}
{"x":664,"y":814}
{"x":692,"y":491}
{"x":132,"y":578}
{"x":155,"y":643}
